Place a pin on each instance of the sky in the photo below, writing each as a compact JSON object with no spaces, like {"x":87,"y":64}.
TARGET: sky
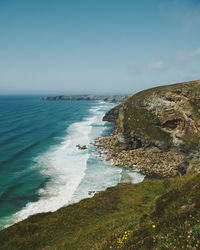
{"x":97,"y":46}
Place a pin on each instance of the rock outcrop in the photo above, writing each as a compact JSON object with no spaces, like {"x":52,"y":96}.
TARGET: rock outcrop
{"x":158,"y":120}
{"x":164,"y":117}
{"x":151,"y":162}
{"x":84,"y":147}
{"x":112,"y":115}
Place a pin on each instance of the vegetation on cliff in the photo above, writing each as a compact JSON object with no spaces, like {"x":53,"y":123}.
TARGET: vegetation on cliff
{"x":154,"y":214}
{"x":165,"y":117}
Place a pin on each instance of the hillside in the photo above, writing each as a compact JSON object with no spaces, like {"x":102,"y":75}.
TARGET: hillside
{"x":154,"y":214}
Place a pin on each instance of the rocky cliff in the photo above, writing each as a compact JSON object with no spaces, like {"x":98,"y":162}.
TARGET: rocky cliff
{"x":166,"y":117}
{"x":112,"y":115}
{"x":157,"y":131}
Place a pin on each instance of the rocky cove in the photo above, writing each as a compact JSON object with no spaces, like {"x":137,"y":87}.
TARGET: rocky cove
{"x":157,"y":164}
{"x":157,"y":131}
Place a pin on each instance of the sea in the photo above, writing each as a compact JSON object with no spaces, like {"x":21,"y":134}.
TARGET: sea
{"x":41,"y":169}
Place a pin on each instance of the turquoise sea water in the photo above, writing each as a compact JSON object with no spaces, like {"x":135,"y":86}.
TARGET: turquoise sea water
{"x":41,"y":169}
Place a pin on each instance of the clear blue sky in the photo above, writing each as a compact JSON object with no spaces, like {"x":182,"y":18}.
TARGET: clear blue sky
{"x":97,"y":46}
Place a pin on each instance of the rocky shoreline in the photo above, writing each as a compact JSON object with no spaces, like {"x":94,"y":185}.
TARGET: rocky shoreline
{"x":157,"y":131}
{"x":151,"y":162}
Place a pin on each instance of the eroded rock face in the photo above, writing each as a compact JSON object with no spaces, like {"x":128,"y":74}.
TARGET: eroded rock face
{"x":166,"y":117}
{"x":112,"y":115}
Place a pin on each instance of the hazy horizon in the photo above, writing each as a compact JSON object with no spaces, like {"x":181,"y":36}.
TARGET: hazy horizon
{"x":46,"y":92}
{"x":85,"y":92}
{"x":97,"y":47}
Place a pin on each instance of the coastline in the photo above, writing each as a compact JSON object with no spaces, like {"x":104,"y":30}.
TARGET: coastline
{"x":126,"y":216}
{"x":89,"y":175}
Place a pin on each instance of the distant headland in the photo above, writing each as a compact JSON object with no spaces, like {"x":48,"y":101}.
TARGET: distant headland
{"x":106,"y":98}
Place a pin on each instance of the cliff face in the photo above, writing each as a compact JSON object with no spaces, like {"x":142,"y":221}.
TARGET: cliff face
{"x":112,"y":115}
{"x":166,"y":117}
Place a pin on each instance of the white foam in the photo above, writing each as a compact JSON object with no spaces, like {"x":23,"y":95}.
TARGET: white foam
{"x":65,"y":165}
{"x":136,"y":176}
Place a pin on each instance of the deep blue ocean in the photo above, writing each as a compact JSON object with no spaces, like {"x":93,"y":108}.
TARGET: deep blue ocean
{"x":41,"y":168}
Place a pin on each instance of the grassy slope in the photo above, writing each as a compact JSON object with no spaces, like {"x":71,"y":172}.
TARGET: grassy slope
{"x":121,"y":217}
{"x":176,"y":218}
{"x":144,"y":122}
{"x":137,"y":118}
{"x":91,"y":223}
{"x":141,"y":120}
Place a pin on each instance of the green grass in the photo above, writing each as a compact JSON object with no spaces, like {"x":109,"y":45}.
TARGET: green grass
{"x":89,"y":224}
{"x":120,"y":217}
{"x":176,"y":218}
{"x":145,"y":124}
{"x":140,"y":120}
